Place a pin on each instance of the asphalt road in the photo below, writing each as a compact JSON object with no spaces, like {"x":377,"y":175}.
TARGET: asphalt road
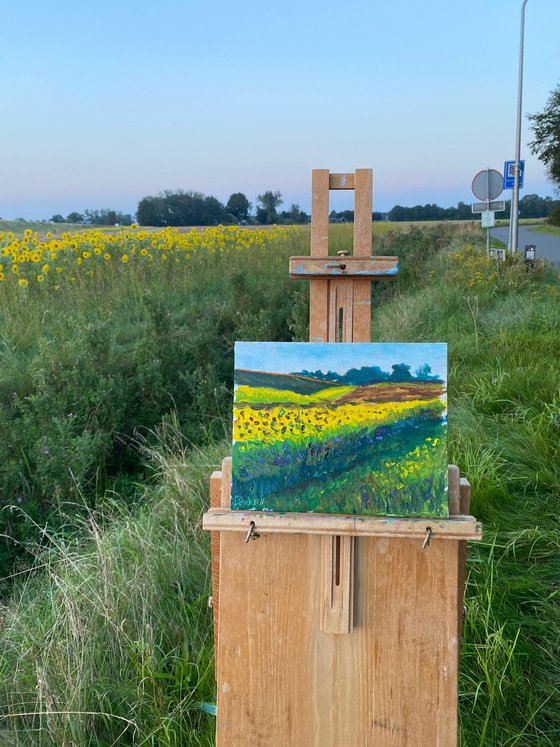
{"x":548,"y":245}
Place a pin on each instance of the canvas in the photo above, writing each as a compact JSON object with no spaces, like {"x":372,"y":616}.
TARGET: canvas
{"x":345,"y":428}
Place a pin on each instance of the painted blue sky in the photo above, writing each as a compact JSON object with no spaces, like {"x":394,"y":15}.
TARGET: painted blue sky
{"x":106,"y":102}
{"x":291,"y":357}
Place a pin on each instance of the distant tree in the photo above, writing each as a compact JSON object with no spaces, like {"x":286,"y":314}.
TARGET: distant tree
{"x":181,"y":209}
{"x":401,"y":372}
{"x":343,"y":216}
{"x":57,"y":218}
{"x":107,"y":217}
{"x":533,"y":206}
{"x":546,"y":129}
{"x":295,"y":215}
{"x":266,"y":210}
{"x":239,"y":206}
{"x":365,"y":375}
{"x":424,"y":373}
{"x":75,"y":218}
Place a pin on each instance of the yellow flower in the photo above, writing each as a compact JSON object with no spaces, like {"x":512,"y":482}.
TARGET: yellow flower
{"x":107,"y":256}
{"x":23,"y":282}
{"x":2,"y":276}
{"x":40,"y":278}
{"x":46,"y":268}
{"x":125,"y":258}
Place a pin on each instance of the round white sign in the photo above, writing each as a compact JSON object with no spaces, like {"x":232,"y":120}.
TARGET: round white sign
{"x":488,"y":184}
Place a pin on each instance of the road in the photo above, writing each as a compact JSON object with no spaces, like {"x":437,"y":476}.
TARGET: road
{"x":548,"y":245}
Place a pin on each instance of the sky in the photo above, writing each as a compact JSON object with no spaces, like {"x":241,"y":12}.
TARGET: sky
{"x":105,"y":103}
{"x":291,"y":357}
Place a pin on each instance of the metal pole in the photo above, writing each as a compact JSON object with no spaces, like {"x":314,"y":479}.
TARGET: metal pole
{"x":514,"y":218}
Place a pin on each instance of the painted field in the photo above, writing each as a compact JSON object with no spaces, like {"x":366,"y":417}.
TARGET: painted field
{"x":362,"y":440}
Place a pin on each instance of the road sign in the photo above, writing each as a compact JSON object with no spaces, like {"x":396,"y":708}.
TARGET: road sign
{"x":488,"y":219}
{"x":488,"y":184}
{"x":497,"y":206}
{"x":498,"y":254}
{"x":509,"y":174}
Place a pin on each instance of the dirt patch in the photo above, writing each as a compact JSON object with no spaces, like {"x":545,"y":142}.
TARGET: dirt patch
{"x":399,"y":392}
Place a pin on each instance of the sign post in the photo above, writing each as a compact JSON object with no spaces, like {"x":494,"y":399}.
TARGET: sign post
{"x":487,"y":185}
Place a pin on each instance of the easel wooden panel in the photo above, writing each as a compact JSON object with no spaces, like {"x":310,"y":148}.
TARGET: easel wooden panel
{"x":372,"y":663}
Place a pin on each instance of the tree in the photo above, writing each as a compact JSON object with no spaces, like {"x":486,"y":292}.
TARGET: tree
{"x":180,"y":209}
{"x":401,"y":372}
{"x":74,"y":218}
{"x":266,"y":211}
{"x":57,"y":218}
{"x":546,"y":129}
{"x":107,"y":217}
{"x":239,"y":206}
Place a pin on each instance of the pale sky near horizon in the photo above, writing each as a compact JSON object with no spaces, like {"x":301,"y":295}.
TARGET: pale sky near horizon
{"x":107,"y":102}
{"x":291,"y":357}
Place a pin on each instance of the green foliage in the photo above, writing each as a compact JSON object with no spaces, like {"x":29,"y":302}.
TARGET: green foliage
{"x":75,"y":217}
{"x":83,"y":373}
{"x":109,"y":639}
{"x":266,"y":209}
{"x":112,"y":643}
{"x":546,"y":129}
{"x":239,"y":206}
{"x":554,"y":217}
{"x":107,"y":217}
{"x":181,"y":209}
{"x":504,"y":428}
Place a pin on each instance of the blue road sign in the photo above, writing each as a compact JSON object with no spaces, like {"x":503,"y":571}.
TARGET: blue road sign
{"x":509,"y":176}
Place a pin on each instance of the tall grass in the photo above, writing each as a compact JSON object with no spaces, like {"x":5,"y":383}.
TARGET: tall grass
{"x":504,"y":433}
{"x":109,"y":640}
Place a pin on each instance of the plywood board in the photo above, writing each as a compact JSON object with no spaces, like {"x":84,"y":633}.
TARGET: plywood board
{"x":391,"y":682}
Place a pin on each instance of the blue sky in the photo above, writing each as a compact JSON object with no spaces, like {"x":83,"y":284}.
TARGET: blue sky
{"x":106,"y":102}
{"x":291,"y":357}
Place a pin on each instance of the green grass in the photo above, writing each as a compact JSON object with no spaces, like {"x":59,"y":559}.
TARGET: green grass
{"x":547,"y":228}
{"x":109,"y":640}
{"x":264,"y":395}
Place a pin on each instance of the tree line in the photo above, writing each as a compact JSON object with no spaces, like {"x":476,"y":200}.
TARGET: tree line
{"x":182,"y":208}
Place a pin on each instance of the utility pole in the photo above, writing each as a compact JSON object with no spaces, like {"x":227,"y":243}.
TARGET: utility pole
{"x":514,"y":214}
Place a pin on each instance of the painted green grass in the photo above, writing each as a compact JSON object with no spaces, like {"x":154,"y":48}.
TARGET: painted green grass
{"x":246,"y":395}
{"x":406,"y":476}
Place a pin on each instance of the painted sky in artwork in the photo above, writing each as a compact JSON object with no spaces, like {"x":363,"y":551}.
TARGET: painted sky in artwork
{"x":291,"y":357}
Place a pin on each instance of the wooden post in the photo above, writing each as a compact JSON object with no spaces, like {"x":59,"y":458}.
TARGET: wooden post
{"x":339,"y":631}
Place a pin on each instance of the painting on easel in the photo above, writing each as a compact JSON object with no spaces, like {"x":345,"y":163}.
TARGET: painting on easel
{"x":345,"y":428}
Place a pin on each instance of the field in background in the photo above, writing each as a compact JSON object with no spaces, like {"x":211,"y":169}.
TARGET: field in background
{"x":105,"y":387}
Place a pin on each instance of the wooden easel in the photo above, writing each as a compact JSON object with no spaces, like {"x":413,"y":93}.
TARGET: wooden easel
{"x":338,"y":631}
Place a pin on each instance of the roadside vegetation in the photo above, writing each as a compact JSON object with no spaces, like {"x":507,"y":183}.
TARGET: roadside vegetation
{"x":116,"y":407}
